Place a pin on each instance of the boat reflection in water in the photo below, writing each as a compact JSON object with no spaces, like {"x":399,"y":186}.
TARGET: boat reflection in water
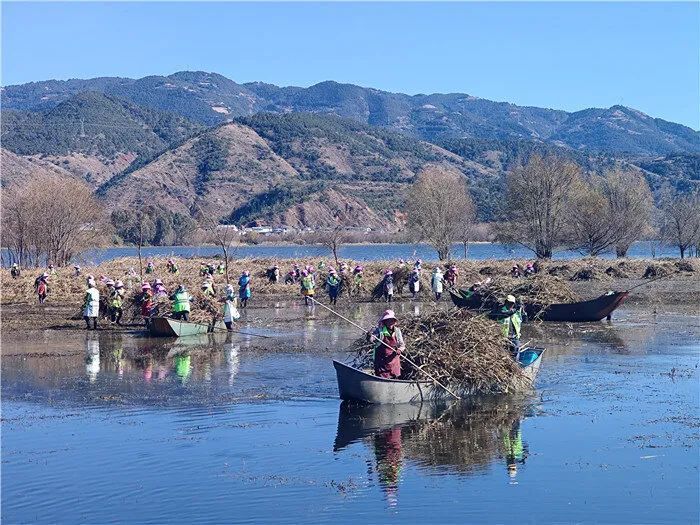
{"x":462,"y":438}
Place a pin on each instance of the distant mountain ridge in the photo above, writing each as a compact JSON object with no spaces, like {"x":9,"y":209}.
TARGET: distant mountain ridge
{"x":210,"y":98}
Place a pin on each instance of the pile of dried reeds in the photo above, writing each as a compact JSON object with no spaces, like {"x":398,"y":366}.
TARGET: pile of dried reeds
{"x":456,"y":348}
{"x":539,"y":289}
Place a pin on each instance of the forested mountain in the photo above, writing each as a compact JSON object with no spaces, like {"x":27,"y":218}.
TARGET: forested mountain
{"x":95,"y":124}
{"x":319,"y":156}
{"x":209,"y":98}
{"x":295,"y":169}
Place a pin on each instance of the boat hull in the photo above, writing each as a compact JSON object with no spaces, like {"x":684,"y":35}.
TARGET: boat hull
{"x":166,"y":327}
{"x":358,"y":386}
{"x":581,"y":312}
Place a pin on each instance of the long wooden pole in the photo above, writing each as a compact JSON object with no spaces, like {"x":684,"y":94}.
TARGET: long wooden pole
{"x":388,"y":346}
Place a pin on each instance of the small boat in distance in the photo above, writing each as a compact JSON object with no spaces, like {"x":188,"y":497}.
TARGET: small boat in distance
{"x":580,"y":312}
{"x":359,"y":386}
{"x":166,"y":327}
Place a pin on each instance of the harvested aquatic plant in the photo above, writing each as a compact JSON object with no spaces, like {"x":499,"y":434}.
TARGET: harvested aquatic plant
{"x":456,"y":348}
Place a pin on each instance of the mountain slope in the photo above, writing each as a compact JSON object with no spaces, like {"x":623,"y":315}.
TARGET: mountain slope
{"x":17,"y":169}
{"x":296,"y":169}
{"x":209,"y":98}
{"x":95,"y":124}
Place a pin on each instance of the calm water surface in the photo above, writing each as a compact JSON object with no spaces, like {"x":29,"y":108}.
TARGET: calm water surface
{"x":100,"y":428}
{"x":364,"y":252}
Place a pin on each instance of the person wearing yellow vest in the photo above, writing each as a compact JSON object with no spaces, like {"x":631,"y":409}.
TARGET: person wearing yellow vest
{"x":181,"y":303}
{"x":515,"y":451}
{"x":307,"y":286}
{"x":511,"y":318}
{"x":116,"y":301}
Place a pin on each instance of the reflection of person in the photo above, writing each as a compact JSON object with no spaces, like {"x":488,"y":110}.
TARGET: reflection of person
{"x":183,"y":366}
{"x":387,"y":450}
{"x":92,"y":358}
{"x":390,"y":344}
{"x":515,"y":451}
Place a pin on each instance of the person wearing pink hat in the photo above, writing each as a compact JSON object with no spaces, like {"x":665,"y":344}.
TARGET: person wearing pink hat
{"x":390,"y":344}
{"x":147,"y":305}
{"x":172,"y":267}
{"x":41,"y":286}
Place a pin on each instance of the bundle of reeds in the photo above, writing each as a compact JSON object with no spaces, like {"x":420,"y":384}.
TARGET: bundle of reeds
{"x":456,"y":348}
{"x":541,"y":289}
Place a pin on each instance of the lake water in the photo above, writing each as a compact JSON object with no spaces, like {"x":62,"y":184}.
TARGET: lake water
{"x":107,"y":427}
{"x":362,"y":252}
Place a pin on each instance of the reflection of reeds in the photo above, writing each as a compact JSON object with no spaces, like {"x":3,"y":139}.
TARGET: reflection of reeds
{"x":464,"y":441}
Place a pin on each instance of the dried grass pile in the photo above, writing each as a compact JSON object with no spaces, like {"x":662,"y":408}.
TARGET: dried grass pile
{"x":539,"y":289}
{"x":561,"y":270}
{"x":457,"y":348}
{"x":589,"y":273}
{"x":657,"y":270}
{"x":684,"y":266}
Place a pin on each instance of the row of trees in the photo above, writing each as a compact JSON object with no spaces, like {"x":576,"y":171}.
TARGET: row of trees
{"x":50,"y":220}
{"x":550,"y":205}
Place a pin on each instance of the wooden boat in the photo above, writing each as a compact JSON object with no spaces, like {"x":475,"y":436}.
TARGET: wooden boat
{"x":359,"y":386}
{"x":166,"y":327}
{"x":580,"y":312}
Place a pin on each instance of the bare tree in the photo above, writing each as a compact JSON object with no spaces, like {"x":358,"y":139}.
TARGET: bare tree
{"x":680,"y":220}
{"x":631,"y":207}
{"x":225,"y":237}
{"x":334,"y":240}
{"x":52,"y":219}
{"x":438,"y":206}
{"x":609,"y":212}
{"x":537,"y":196}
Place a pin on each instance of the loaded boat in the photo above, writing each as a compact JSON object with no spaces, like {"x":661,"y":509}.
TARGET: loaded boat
{"x":360,"y":386}
{"x":580,"y":312}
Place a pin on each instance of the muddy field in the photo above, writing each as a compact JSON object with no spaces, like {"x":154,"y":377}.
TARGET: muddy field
{"x":583,"y":278}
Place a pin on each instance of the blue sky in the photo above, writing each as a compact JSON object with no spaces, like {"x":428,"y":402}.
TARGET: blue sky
{"x":560,"y":55}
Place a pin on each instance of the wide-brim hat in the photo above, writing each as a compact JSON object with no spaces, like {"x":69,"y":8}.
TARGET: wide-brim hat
{"x":387,"y":315}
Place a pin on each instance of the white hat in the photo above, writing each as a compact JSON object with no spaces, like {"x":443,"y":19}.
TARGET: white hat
{"x":510,"y":299}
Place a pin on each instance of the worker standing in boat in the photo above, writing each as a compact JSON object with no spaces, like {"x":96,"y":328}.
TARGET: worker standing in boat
{"x":181,"y":303}
{"x":390,"y":344}
{"x":91,"y":305}
{"x":244,"y":288}
{"x":511,"y":318}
